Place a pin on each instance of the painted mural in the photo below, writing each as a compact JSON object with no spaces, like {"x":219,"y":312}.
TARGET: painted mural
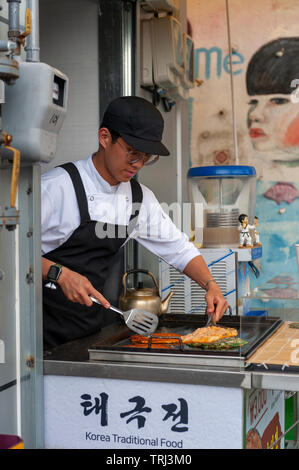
{"x":246,"y":109}
{"x":273,"y":115}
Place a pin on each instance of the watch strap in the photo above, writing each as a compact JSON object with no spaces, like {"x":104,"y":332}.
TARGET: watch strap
{"x":57,"y":265}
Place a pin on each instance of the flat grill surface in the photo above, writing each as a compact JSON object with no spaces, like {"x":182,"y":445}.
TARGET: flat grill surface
{"x":254,"y":330}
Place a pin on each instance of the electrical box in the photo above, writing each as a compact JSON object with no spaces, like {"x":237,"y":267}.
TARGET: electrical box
{"x":189,"y":61}
{"x":147,"y":53}
{"x":168,"y":51}
{"x":187,"y":79}
{"x":34,"y":110}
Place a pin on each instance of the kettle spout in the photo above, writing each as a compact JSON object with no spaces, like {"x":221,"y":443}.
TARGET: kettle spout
{"x":165,"y":303}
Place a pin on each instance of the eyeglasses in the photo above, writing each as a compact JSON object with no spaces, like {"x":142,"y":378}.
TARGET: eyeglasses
{"x":134,"y":156}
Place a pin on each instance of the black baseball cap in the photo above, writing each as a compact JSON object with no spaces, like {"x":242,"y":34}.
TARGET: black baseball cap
{"x":138,"y":122}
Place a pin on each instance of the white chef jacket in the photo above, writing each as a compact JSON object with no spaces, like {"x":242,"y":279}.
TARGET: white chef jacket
{"x":112,"y":204}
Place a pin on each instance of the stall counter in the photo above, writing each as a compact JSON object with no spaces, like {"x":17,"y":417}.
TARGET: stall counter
{"x":112,"y":405}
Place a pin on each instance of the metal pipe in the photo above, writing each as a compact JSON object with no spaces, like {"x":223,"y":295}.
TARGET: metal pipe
{"x":32,"y":41}
{"x":14,"y":19}
{"x":284,"y":434}
{"x":7,"y":46}
{"x":235,"y":135}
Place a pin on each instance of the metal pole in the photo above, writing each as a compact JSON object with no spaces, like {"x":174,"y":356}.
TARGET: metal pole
{"x":232,"y":88}
{"x":14,"y":19}
{"x":284,"y":434}
{"x":32,"y":41}
{"x":128,"y":88}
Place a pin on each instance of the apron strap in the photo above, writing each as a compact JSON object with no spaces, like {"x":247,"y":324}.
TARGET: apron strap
{"x":137,"y":195}
{"x":79,"y":190}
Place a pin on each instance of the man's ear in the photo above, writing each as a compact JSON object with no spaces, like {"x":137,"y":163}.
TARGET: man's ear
{"x":104,"y":137}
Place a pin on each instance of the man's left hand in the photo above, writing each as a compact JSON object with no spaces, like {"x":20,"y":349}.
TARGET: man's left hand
{"x":216,"y":303}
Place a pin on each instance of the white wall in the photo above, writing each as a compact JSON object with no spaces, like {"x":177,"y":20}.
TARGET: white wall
{"x":69,"y":42}
{"x":167,"y":178}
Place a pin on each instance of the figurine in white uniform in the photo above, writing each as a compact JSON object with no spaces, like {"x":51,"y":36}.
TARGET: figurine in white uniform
{"x":256,"y":241}
{"x":245,"y":238}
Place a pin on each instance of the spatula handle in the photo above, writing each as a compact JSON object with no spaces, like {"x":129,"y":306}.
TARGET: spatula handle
{"x":116,"y":310}
{"x":111,"y":306}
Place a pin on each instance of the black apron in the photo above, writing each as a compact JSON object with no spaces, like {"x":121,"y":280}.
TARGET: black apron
{"x":87,"y":254}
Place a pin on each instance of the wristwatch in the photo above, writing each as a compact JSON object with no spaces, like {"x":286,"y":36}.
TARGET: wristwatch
{"x":54,"y":272}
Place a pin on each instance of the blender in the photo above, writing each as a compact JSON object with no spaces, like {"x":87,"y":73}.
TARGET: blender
{"x":219,"y":195}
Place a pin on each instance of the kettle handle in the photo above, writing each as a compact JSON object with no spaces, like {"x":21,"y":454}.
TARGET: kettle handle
{"x":144,"y":271}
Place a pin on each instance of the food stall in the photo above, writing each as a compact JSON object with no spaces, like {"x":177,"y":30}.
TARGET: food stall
{"x":105,"y":392}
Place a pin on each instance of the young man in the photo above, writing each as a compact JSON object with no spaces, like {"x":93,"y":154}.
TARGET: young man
{"x":91,"y":207}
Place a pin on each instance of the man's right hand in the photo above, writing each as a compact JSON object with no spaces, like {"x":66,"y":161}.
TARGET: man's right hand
{"x":78,"y":288}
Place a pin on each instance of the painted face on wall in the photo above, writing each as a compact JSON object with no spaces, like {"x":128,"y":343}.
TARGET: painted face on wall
{"x":273,"y":123}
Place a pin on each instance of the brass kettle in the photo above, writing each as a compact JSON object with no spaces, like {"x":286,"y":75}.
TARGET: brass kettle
{"x":145,"y":298}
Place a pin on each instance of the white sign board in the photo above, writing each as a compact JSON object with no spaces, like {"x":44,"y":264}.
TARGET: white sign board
{"x":95,"y":413}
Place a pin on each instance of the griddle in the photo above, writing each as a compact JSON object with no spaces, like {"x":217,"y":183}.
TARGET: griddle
{"x":254,"y":330}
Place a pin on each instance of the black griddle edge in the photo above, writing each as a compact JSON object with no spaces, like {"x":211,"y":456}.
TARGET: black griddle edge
{"x":255,"y":330}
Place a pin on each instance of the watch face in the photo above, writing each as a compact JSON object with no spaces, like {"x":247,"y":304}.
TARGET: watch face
{"x":54,"y":273}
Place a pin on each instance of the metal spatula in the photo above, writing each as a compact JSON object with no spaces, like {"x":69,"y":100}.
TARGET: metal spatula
{"x":142,"y":322}
{"x":211,"y":320}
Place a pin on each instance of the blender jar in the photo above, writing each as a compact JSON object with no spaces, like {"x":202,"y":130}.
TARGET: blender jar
{"x":219,"y":194}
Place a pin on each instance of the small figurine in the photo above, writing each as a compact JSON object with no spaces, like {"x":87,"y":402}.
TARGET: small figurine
{"x":256,"y":241}
{"x":245,"y":238}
